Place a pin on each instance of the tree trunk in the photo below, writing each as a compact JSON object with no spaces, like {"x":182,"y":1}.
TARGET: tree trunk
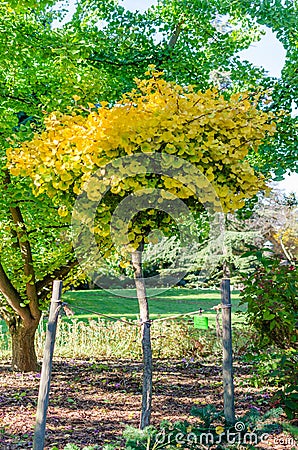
{"x":24,"y":357}
{"x":146,"y":341}
{"x":227,"y":367}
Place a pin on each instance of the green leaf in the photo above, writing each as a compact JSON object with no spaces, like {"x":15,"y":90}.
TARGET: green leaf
{"x":268,"y":316}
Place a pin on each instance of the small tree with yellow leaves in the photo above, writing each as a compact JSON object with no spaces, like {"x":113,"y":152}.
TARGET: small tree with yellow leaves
{"x":182,"y":127}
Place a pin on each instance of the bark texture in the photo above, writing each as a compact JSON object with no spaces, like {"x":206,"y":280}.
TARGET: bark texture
{"x":228,"y":380}
{"x":146,"y":339}
{"x":24,"y":357}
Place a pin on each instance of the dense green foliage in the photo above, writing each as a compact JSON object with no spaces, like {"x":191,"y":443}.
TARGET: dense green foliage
{"x":270,"y":293}
{"x":197,"y":42}
{"x":281,"y":17}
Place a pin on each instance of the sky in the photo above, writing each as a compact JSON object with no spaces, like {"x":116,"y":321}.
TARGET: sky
{"x":268,"y":53}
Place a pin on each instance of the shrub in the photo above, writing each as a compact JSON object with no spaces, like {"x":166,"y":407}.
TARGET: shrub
{"x":210,"y":432}
{"x":278,"y":369}
{"x":270,"y":293}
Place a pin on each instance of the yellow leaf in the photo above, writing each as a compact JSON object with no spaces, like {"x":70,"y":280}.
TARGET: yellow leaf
{"x":219,"y":429}
{"x":62,"y":211}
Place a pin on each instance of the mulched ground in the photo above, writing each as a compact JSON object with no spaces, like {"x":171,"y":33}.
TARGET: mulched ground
{"x":92,"y":402}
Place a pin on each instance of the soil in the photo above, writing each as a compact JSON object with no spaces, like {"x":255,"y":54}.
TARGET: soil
{"x":91,"y":402}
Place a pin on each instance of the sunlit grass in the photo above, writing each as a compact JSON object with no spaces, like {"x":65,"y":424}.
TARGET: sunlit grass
{"x":167,"y":303}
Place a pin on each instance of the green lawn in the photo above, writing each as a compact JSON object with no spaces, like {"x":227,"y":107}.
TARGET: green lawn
{"x":162,"y":304}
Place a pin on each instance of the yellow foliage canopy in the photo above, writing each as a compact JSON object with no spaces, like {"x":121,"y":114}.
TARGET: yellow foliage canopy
{"x":211,"y":132}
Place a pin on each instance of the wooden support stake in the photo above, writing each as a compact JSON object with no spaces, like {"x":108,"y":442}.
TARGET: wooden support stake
{"x":228,"y":383}
{"x":45,"y":379}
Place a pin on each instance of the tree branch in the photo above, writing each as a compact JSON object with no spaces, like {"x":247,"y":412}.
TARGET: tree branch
{"x":56,"y":274}
{"x":49,"y":227}
{"x":13,"y":297}
{"x":286,"y":253}
{"x":151,"y":59}
{"x":19,"y":99}
{"x":25,"y":247}
{"x":175,"y":36}
{"x":26,"y":253}
{"x":135,"y":62}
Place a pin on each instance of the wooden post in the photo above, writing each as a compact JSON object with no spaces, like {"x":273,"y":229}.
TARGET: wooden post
{"x":146,"y":339}
{"x":45,"y":379}
{"x":228,"y":383}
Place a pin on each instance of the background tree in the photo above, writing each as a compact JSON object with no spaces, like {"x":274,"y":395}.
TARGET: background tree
{"x":276,"y":216}
{"x":37,"y":74}
{"x":281,"y":18}
{"x":272,"y":223}
{"x":198,"y":43}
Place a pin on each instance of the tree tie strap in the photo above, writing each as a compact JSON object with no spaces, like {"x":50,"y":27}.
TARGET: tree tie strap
{"x":148,"y":323}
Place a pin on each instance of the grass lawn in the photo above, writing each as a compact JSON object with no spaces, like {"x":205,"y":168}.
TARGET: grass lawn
{"x":161,"y":304}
